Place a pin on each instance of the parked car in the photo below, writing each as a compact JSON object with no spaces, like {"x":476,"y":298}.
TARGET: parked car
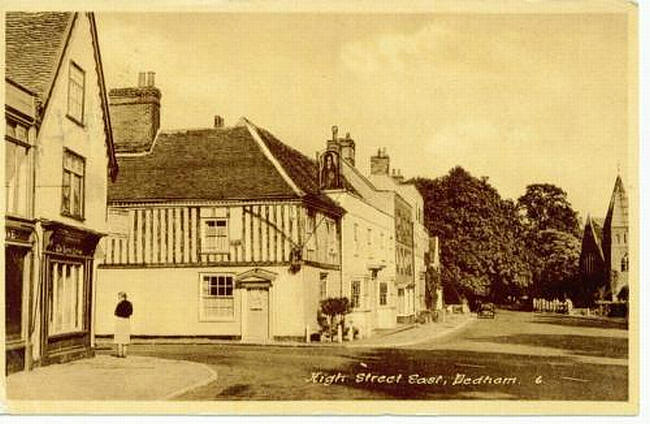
{"x":486,"y":310}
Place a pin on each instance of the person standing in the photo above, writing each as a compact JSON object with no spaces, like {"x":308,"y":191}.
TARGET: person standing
{"x":123,"y":312}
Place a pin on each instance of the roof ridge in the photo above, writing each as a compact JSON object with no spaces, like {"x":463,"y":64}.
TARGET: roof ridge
{"x":182,"y":130}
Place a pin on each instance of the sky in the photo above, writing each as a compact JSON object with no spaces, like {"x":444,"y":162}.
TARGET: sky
{"x":519,"y":98}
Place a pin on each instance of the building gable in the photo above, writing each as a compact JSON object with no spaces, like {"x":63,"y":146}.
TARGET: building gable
{"x":36,"y":44}
{"x":83,"y":132}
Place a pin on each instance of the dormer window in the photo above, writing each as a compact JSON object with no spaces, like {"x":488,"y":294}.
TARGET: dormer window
{"x":76,"y":90}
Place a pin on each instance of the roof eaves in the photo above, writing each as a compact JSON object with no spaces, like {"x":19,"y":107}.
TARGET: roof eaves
{"x":144,"y":152}
{"x":252,"y":129}
{"x":108,"y":129}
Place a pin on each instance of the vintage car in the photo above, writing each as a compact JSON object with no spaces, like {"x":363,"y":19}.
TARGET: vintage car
{"x":486,"y":310}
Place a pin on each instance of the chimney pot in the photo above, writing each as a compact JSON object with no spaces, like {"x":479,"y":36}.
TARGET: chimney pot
{"x":218,"y":121}
{"x":335,"y":132}
{"x":151,"y":76}
{"x":142,"y":79}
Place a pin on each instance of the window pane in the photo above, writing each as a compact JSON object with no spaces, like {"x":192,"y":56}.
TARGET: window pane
{"x":10,"y":175}
{"x":218,"y":302}
{"x":11,"y":129}
{"x":229,"y":286}
{"x":76,"y":195}
{"x":76,"y":93}
{"x":21,"y":132}
{"x":77,"y":165}
{"x":58,"y":300}
{"x":65,"y":300}
{"x":66,"y":192}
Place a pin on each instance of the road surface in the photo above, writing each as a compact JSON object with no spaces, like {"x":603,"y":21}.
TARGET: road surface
{"x":517,"y":355}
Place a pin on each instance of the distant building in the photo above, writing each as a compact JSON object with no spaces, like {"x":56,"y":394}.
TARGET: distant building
{"x":604,"y":259}
{"x":59,"y":155}
{"x":385,"y":246}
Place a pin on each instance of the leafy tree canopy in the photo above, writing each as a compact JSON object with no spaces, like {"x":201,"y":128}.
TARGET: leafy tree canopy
{"x":545,"y":206}
{"x":482,"y":248}
{"x":556,"y":258}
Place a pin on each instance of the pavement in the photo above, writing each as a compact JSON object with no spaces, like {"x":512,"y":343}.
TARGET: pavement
{"x":416,"y":334}
{"x":106,"y":377}
{"x":403,"y":335}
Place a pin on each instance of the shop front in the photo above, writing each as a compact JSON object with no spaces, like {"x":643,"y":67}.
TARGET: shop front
{"x":66,"y":286}
{"x":18,"y":275}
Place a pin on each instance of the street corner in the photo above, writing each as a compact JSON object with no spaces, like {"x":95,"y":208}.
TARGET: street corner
{"x":418,"y":333}
{"x":107,"y":377}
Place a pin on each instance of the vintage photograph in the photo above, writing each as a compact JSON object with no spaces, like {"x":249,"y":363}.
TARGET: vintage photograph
{"x":218,"y":206}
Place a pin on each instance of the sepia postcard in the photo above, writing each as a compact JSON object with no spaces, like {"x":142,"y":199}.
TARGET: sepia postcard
{"x":274,"y":208}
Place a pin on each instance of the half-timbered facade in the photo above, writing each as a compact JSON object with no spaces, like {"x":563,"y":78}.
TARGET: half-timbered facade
{"x":218,"y":232}
{"x":59,"y":143}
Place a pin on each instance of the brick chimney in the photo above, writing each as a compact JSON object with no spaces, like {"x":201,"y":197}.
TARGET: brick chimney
{"x":135,"y":114}
{"x":380,"y":164}
{"x":347,"y":149}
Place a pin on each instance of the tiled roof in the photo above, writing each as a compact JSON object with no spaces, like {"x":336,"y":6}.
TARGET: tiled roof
{"x":303,"y":170}
{"x":207,"y":164}
{"x":33,"y":45}
{"x":215,"y":164}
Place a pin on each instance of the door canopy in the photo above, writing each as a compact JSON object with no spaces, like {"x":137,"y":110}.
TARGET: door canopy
{"x":255,"y":277}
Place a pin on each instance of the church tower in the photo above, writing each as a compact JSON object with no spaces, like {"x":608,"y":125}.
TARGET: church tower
{"x":616,"y":239}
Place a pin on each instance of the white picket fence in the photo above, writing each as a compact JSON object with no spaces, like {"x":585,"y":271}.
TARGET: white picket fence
{"x":555,"y":305}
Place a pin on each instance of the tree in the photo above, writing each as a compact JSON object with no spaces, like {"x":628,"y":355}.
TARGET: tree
{"x":545,"y":207}
{"x":482,"y":252}
{"x":433,"y":281}
{"x":551,"y":235}
{"x":334,"y":309}
{"x":555,"y":264}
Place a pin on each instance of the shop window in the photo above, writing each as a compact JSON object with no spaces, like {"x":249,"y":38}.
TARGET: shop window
{"x":14,"y":268}
{"x":66,"y":297}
